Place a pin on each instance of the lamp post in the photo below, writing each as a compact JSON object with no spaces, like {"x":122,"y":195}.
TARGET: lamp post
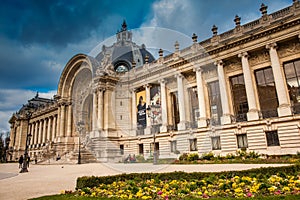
{"x":80,"y":128}
{"x":152,"y":116}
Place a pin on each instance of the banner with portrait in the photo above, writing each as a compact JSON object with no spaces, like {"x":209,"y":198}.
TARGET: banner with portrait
{"x":141,"y":108}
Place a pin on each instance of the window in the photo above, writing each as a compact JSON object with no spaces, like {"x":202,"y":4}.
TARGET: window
{"x":173,"y":146}
{"x":175,"y":106}
{"x":266,"y":92}
{"x":240,"y":104}
{"x":216,"y":143}
{"x":242,"y":141}
{"x":122,"y":149}
{"x":194,"y":106}
{"x":292,"y":76}
{"x":215,"y":102}
{"x":272,"y":138}
{"x":141,"y":149}
{"x":193,"y":144}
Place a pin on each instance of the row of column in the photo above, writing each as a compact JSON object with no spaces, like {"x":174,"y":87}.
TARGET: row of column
{"x":103,"y":109}
{"x":253,"y":113}
{"x":65,"y":113}
{"x":43,"y":130}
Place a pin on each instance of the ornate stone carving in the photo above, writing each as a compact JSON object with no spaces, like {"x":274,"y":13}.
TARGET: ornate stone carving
{"x":233,"y":65}
{"x":210,"y":74}
{"x":259,"y":57}
{"x":172,"y":84}
{"x":289,"y":49}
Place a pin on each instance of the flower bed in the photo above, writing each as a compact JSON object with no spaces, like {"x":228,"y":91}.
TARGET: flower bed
{"x":285,"y":181}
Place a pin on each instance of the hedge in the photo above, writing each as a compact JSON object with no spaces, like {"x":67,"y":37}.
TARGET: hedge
{"x":92,"y":181}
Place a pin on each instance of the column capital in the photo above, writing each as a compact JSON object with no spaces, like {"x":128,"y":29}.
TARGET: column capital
{"x":271,"y":46}
{"x":162,"y":81}
{"x":198,"y":69}
{"x":179,"y":75}
{"x":147,"y":85}
{"x":219,"y":63}
{"x":132,"y":90}
{"x":243,"y":54}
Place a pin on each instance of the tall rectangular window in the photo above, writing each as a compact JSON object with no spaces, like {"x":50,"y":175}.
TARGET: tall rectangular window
{"x":292,"y":76}
{"x":194,"y":106}
{"x":266,"y":92}
{"x":215,"y":103}
{"x":272,"y":138}
{"x":141,"y":149}
{"x":175,"y":109}
{"x":122,"y":149}
{"x":193,"y":144}
{"x":216,"y":143}
{"x":240,"y":103}
{"x":242,"y":140}
{"x":173,"y":146}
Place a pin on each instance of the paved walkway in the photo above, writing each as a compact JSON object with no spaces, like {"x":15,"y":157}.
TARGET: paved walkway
{"x":44,"y":180}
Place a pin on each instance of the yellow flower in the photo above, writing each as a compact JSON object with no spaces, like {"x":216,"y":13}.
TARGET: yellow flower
{"x":234,"y":185}
{"x":62,"y":192}
{"x":285,"y":189}
{"x":272,"y":189}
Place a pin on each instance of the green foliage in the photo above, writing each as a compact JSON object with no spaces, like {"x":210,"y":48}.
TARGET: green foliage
{"x":93,"y":181}
{"x":207,"y":156}
{"x":183,"y":157}
{"x":193,"y":157}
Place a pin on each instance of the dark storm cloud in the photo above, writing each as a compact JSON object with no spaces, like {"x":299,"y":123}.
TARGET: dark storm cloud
{"x":57,"y":22}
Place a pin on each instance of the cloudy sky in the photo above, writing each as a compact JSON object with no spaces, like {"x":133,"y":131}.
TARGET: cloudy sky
{"x":38,"y":37}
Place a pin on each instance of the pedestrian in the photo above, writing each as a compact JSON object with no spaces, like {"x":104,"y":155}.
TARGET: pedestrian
{"x":21,"y":159}
{"x":28,"y":160}
{"x":35,"y":159}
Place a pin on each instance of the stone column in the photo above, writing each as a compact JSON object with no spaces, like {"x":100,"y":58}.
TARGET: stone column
{"x":69,"y":121}
{"x":100,"y":109}
{"x":253,"y":111}
{"x":40,"y":132}
{"x":32,"y":133}
{"x":36,"y":132}
{"x":62,"y":120}
{"x":49,"y":129}
{"x":284,"y":108}
{"x":181,"y":125}
{"x":133,"y":109}
{"x":225,"y":119}
{"x":109,"y":121}
{"x":58,"y":122}
{"x":164,"y":114}
{"x":201,"y":100}
{"x":95,"y":102}
{"x":44,"y":131}
{"x":54,"y":127}
{"x":148,"y":119}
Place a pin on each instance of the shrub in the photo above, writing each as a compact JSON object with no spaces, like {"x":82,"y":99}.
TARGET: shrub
{"x":183,"y":157}
{"x":207,"y":156}
{"x":193,"y":157}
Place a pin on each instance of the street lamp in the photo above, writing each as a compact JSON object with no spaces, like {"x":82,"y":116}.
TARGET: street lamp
{"x":152,"y":116}
{"x":80,"y":125}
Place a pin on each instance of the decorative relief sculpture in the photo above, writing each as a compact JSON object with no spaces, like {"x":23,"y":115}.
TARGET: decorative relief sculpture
{"x":260,"y":57}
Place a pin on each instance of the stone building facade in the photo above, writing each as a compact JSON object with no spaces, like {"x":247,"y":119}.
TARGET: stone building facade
{"x":236,"y":90}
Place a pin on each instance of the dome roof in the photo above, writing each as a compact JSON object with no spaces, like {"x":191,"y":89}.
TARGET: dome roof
{"x":124,"y":53}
